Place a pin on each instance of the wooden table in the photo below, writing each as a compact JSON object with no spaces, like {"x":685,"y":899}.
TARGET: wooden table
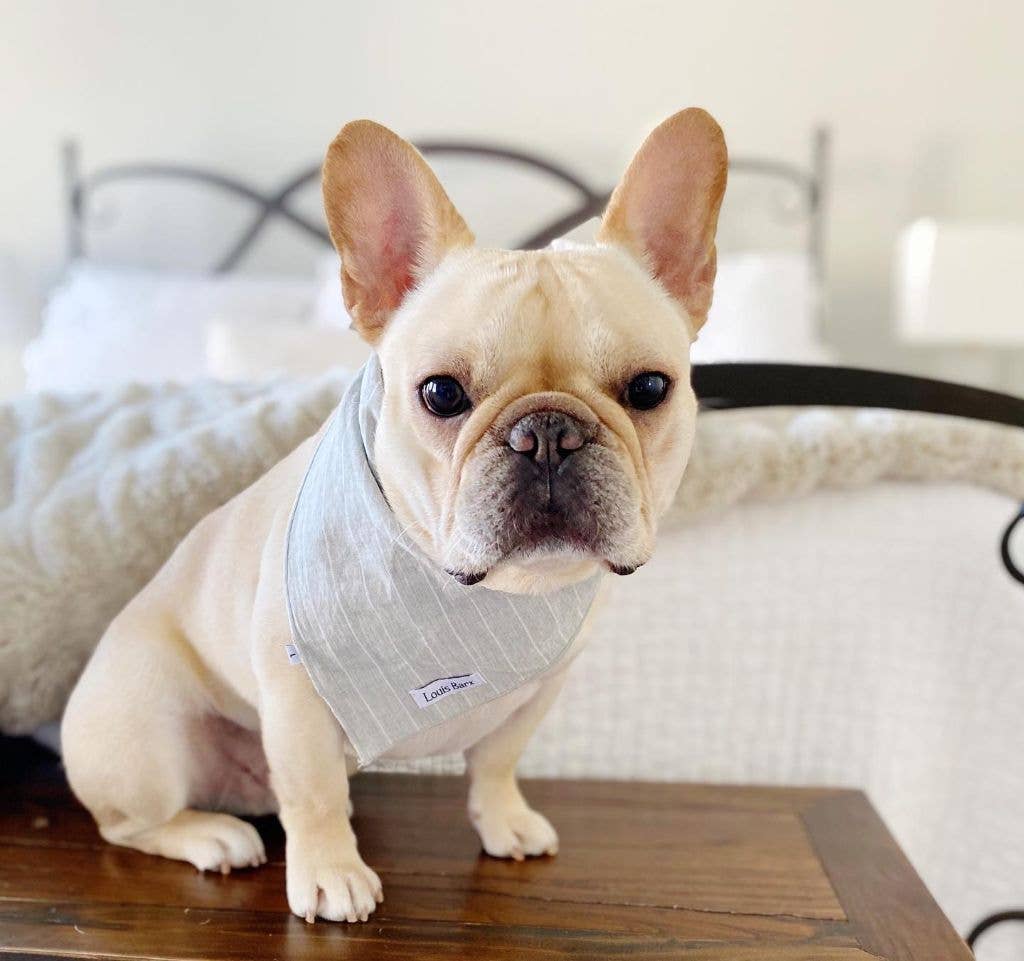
{"x":646,"y":871}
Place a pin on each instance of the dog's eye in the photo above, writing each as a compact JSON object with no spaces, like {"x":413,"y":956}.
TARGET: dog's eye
{"x":444,"y":396}
{"x":646,"y":391}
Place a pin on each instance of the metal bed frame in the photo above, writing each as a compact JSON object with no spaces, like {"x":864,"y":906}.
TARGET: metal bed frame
{"x":718,"y":386}
{"x":809,"y":185}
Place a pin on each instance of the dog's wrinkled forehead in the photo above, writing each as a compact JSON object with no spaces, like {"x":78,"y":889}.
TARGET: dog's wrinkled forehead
{"x":555,"y":319}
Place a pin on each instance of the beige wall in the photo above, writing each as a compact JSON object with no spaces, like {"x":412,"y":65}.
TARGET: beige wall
{"x":925,"y":99}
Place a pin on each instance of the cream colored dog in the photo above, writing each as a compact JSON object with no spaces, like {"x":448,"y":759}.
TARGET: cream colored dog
{"x":510,"y":377}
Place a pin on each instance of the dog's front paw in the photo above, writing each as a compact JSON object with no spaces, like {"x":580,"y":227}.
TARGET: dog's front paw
{"x":513,"y":830}
{"x":338,"y":888}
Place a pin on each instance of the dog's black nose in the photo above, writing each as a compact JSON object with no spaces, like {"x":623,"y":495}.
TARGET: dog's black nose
{"x":549,"y":436}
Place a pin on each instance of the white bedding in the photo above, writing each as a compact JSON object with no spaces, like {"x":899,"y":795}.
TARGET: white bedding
{"x":812,"y":615}
{"x":108,"y":326}
{"x":766,"y":307}
{"x":96,"y":490}
{"x":867,"y":637}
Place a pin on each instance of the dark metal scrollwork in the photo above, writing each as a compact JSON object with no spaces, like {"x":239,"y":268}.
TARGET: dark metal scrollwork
{"x":270,"y":204}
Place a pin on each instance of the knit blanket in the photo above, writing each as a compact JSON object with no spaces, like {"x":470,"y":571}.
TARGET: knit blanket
{"x":96,"y":490}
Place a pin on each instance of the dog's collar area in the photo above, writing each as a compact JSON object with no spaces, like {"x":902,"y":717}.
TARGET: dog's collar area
{"x":353,"y":574}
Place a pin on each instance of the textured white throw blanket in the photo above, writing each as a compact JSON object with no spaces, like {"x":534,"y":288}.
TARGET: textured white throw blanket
{"x":96,"y":490}
{"x":865,"y":637}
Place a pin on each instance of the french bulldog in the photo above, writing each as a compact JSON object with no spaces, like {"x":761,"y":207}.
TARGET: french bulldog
{"x":536,"y":420}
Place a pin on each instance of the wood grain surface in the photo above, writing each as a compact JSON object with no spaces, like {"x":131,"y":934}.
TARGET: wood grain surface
{"x":645,"y":871}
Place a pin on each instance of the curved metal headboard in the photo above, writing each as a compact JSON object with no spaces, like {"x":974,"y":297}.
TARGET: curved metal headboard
{"x":590,"y":201}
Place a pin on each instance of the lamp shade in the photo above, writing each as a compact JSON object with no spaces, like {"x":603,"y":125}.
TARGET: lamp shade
{"x":960,"y":283}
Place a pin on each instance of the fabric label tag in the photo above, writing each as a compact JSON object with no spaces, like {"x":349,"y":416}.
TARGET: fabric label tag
{"x":443,"y":686}
{"x":294,"y":657}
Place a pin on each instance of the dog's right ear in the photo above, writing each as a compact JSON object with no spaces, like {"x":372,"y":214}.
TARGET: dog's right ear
{"x":389,"y":219}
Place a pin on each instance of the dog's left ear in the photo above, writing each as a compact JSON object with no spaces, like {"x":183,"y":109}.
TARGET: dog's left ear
{"x":389,"y":218}
{"x":665,"y":208}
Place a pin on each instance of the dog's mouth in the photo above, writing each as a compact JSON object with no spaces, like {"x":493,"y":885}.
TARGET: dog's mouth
{"x":546,"y":521}
{"x":469,"y":578}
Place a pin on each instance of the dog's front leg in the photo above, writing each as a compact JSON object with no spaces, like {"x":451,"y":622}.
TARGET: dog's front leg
{"x":304,"y":745}
{"x":507,"y":825}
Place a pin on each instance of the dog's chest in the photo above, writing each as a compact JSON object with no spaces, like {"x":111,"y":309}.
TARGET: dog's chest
{"x":394,"y":646}
{"x":461,"y":733}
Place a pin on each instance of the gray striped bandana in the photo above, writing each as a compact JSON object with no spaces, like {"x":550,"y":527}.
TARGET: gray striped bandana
{"x":392,"y":643}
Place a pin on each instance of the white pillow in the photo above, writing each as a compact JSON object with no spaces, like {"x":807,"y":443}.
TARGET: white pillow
{"x":108,"y":325}
{"x":252,"y":350}
{"x":765,"y":308}
{"x":329,"y":307}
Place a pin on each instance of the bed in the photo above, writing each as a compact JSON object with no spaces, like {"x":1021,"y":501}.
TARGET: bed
{"x":842,"y":625}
